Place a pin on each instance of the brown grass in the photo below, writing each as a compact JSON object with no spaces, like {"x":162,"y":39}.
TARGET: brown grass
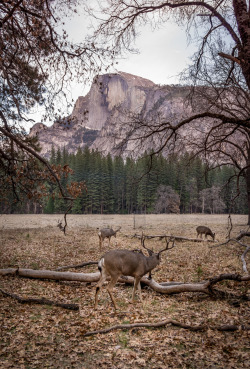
{"x":34,"y":336}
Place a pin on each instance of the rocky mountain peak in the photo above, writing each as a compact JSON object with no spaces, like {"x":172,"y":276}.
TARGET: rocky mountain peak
{"x":107,"y":92}
{"x":110,"y":96}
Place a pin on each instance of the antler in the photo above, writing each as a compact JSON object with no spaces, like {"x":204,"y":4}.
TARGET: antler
{"x":167,"y":244}
{"x":143,"y":245}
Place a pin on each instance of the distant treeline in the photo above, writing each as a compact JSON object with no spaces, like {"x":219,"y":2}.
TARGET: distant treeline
{"x":146,"y":185}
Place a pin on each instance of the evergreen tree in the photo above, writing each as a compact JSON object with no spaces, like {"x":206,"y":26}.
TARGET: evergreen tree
{"x":119,"y":187}
{"x":131,"y":186}
{"x":50,"y":206}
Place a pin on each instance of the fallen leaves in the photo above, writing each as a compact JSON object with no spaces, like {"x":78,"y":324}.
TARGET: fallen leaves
{"x":44,"y":336}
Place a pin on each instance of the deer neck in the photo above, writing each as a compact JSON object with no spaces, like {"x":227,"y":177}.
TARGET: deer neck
{"x":151,"y":262}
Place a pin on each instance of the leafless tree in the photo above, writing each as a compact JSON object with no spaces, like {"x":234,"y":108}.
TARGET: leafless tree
{"x":211,"y":201}
{"x":218,"y":114}
{"x":167,"y":200}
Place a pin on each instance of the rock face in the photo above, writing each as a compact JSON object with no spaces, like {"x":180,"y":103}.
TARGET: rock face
{"x":104,"y":111}
{"x":108,"y":92}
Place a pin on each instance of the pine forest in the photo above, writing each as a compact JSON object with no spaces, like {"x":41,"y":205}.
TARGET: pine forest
{"x":150,"y":184}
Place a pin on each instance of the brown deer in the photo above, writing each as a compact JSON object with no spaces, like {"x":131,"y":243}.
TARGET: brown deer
{"x":116,"y":263}
{"x":205,"y":230}
{"x":106,"y":233}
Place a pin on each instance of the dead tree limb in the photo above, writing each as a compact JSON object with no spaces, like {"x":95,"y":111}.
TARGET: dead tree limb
{"x":174,"y":323}
{"x":177,"y":238}
{"x":243,"y":259}
{"x":41,"y":301}
{"x":242,"y":234}
{"x":237,"y":240}
{"x":50,"y":274}
{"x":173,"y":288}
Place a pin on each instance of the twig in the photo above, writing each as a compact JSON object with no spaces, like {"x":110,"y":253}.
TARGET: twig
{"x":163,"y":323}
{"x":41,"y":301}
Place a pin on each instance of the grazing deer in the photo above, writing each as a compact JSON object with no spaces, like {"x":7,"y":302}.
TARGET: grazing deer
{"x":106,"y":233}
{"x":128,"y":263}
{"x":205,"y":230}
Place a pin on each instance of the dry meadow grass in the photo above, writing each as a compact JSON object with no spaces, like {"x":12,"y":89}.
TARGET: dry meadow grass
{"x":40,"y":336}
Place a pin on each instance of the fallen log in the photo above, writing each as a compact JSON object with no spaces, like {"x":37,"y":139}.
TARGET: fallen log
{"x":50,"y":274}
{"x":172,"y":288}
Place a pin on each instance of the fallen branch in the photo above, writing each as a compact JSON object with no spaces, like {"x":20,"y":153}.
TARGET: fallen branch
{"x":243,"y":259}
{"x":49,"y":274}
{"x":177,"y":238}
{"x":172,"y":288}
{"x":237,"y":240}
{"x":41,"y":301}
{"x":242,"y":234}
{"x":77,"y":265}
{"x":225,"y":327}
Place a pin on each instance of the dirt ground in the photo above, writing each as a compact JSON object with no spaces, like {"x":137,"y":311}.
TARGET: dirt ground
{"x":42,"y":336}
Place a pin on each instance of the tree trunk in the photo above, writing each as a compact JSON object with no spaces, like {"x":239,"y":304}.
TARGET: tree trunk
{"x":248,"y":185}
{"x":248,"y":193}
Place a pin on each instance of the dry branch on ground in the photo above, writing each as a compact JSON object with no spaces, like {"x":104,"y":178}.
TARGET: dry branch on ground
{"x":176,"y":238}
{"x":42,"y":301}
{"x":195,"y":328}
{"x":163,"y":288}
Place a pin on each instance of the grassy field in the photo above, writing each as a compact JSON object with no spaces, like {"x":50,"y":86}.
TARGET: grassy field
{"x":41,"y":336}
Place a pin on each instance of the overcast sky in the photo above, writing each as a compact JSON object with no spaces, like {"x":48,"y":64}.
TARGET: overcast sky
{"x":163,"y":54}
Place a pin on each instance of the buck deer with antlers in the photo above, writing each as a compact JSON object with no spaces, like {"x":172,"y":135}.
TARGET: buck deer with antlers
{"x":106,"y":233}
{"x":116,"y":263}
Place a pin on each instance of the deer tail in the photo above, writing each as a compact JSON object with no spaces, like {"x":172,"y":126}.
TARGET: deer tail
{"x":101,"y":264}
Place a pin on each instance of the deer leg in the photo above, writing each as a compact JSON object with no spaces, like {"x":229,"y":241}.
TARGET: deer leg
{"x":100,"y":241}
{"x":137,"y":284}
{"x":99,"y":287}
{"x":110,"y":287}
{"x":139,"y":290}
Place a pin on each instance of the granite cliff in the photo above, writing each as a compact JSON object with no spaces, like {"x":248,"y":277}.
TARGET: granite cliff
{"x":98,"y":117}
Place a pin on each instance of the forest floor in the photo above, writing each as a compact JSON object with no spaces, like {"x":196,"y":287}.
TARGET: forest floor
{"x":42,"y":336}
